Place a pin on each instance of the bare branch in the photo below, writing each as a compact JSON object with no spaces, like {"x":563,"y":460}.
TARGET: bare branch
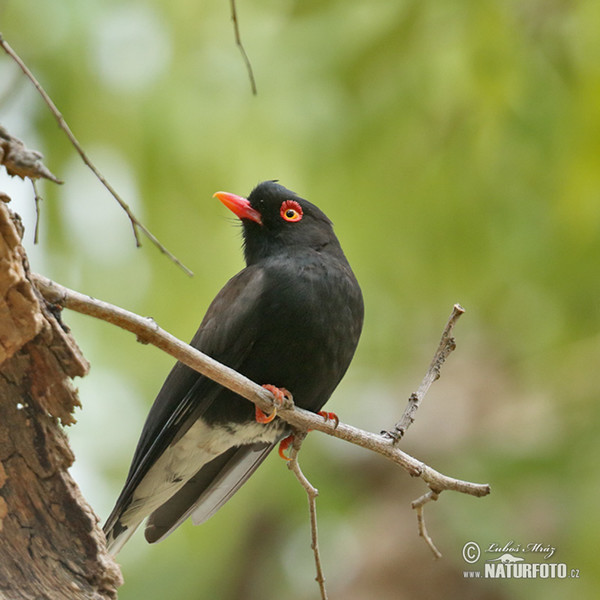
{"x":445,"y":347}
{"x":136,"y":224}
{"x":147,"y":331}
{"x":311,"y":493}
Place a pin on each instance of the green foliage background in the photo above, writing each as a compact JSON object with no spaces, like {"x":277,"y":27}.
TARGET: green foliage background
{"x":456,"y":146}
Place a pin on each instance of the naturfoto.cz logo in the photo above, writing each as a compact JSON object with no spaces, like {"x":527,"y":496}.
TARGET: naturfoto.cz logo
{"x":505,"y":562}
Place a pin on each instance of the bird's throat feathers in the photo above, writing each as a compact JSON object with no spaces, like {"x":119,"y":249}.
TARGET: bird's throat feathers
{"x":258,"y":248}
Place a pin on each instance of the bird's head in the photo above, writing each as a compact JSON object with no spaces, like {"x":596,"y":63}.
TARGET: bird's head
{"x":275,"y":219}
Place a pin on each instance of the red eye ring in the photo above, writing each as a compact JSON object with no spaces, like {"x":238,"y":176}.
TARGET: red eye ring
{"x":290,"y":211}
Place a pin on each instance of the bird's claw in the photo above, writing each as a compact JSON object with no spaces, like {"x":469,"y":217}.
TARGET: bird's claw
{"x":280,"y":396}
{"x":284,"y":445}
{"x":330,"y":415}
{"x":262,"y":417}
{"x":289,"y":440}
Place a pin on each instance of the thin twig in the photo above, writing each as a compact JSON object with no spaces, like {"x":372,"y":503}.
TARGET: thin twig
{"x":445,"y":347}
{"x":135,"y":222}
{"x":312,"y":494}
{"x":418,"y":505}
{"x":147,"y":331}
{"x":37,"y":198}
{"x":240,"y":45}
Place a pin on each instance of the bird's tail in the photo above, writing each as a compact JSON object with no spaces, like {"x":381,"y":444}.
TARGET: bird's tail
{"x":118,"y":534}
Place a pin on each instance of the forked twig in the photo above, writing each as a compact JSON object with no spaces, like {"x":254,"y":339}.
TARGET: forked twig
{"x":418,"y":505}
{"x":136,"y":224}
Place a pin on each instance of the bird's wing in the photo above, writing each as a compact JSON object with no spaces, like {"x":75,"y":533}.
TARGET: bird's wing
{"x":227,"y":333}
{"x":213,"y":485}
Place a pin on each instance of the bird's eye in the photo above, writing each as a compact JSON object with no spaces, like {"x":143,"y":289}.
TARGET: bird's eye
{"x":291,"y":211}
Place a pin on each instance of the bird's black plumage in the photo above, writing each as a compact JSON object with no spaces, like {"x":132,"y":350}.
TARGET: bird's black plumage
{"x":292,"y":318}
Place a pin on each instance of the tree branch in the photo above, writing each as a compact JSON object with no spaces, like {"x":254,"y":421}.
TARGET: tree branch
{"x":135,"y":222}
{"x":147,"y":331}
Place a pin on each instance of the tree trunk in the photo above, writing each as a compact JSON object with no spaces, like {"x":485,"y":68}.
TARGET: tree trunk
{"x":51,"y":546}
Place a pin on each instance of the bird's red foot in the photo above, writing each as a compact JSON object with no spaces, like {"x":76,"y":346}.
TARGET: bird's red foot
{"x":284,"y":445}
{"x":261,"y":417}
{"x":330,"y":415}
{"x":280,"y":396}
{"x":289,"y":440}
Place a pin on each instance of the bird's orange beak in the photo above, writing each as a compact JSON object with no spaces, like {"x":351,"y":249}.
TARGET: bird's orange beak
{"x":239,"y":206}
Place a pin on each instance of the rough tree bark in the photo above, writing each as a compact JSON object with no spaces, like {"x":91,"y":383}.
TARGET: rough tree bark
{"x":51,"y":545}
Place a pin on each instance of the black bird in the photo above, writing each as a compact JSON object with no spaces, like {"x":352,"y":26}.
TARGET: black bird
{"x":291,"y":319}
